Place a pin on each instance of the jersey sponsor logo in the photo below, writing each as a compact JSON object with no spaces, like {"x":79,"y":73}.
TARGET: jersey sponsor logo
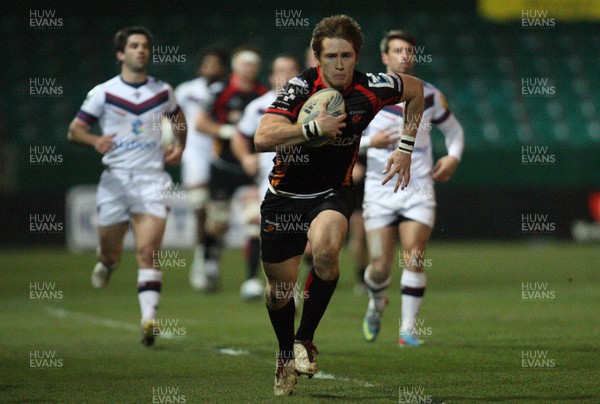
{"x":345,"y":141}
{"x":380,"y":80}
{"x":136,"y":127}
{"x":134,"y":145}
{"x":297,"y":81}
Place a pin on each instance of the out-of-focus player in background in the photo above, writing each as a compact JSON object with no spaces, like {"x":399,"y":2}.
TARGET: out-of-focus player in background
{"x":194,"y":96}
{"x":226,"y":172}
{"x":317,"y":193}
{"x":357,"y":238}
{"x":129,"y":109}
{"x":258,"y":165}
{"x":411,"y":213}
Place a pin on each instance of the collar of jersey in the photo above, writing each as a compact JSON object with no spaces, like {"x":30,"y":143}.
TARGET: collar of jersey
{"x":134,"y":85}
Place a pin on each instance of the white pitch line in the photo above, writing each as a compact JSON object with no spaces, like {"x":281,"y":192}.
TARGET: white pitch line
{"x":329,"y":376}
{"x":319,"y":375}
{"x":88,"y":318}
{"x":122,"y":325}
{"x":106,"y":322}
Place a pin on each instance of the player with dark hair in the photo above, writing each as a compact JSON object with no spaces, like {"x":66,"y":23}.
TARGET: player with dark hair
{"x":316,"y":191}
{"x":197,"y":96}
{"x":410,"y":215}
{"x":129,"y":109}
{"x":226,"y":172}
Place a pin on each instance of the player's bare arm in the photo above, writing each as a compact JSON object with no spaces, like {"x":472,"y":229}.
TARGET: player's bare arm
{"x":385,"y":138}
{"x":275,"y":130}
{"x":206,"y":124}
{"x":79,"y":132}
{"x":445,"y":168}
{"x":240,"y":146}
{"x":174,"y":152}
{"x":399,"y":161}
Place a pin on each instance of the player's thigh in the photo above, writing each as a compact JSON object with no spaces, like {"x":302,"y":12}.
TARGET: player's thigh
{"x":381,"y":242}
{"x":414,"y":235}
{"x":327,"y":233}
{"x":111,"y":239}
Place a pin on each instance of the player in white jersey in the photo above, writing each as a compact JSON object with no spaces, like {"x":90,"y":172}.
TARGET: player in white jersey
{"x":411,"y":213}
{"x":195,"y":96}
{"x":259,"y":165}
{"x":130,"y":109}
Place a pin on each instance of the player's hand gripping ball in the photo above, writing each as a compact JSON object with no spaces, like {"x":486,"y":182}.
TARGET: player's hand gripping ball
{"x":311,"y":108}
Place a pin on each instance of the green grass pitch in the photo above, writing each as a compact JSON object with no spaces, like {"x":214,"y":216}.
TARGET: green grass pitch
{"x":486,"y":341}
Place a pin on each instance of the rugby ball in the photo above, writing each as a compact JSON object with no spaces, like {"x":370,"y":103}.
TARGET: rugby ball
{"x":311,"y":108}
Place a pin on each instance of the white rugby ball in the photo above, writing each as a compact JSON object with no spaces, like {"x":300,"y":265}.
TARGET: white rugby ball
{"x":311,"y":108}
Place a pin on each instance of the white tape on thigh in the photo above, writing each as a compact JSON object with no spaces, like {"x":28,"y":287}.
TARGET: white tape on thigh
{"x":251,"y":212}
{"x":197,"y":197}
{"x":217,"y":214}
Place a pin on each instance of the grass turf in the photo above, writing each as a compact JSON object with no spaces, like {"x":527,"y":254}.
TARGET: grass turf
{"x":478,"y":328}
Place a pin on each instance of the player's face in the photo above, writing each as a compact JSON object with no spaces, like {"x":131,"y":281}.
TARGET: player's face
{"x":400,"y":57}
{"x":284,"y":69}
{"x":212,"y":68}
{"x":337,"y":62}
{"x":248,"y":70}
{"x":136,"y":55}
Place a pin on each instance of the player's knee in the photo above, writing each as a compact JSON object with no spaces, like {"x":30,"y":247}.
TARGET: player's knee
{"x":326,"y":263}
{"x":378,"y":275}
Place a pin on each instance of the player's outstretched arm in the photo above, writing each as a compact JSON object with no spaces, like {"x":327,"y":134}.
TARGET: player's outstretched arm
{"x":79,"y":132}
{"x":399,"y":161}
{"x":275,"y":130}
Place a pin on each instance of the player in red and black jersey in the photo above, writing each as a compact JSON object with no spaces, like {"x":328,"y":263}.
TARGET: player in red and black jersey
{"x":310,"y":196}
{"x":226,"y":173}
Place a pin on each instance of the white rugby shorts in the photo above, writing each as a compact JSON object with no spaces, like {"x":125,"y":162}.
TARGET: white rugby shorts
{"x":123,"y":192}
{"x":195,"y":162}
{"x":382,"y":207}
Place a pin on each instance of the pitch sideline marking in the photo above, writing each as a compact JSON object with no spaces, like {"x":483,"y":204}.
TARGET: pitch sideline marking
{"x":88,"y":318}
{"x":122,"y":325}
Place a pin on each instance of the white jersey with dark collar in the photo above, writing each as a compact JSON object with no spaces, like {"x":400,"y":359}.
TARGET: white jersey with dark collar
{"x":435,"y":112}
{"x":132,"y":113}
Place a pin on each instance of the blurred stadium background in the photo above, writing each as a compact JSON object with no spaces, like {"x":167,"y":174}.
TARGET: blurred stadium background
{"x":521,"y":76}
{"x":483,"y":55}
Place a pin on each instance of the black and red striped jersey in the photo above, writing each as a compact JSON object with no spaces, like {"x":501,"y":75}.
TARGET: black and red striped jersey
{"x":228,"y":108}
{"x":304,"y":170}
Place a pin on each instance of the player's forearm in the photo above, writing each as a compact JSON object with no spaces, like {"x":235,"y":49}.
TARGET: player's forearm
{"x":271,"y":135}
{"x":81,"y":135}
{"x":240,"y":147}
{"x":180,"y":128}
{"x":205,"y":124}
{"x":454,"y":136}
{"x":412,"y":120}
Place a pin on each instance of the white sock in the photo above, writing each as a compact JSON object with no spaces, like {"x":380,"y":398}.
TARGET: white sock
{"x":212,"y":268}
{"x":376,"y":291}
{"x":149,"y":282}
{"x":413,"y":288}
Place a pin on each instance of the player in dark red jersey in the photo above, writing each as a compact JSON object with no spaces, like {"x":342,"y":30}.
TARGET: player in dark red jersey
{"x":226,"y":173}
{"x":310,"y":194}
